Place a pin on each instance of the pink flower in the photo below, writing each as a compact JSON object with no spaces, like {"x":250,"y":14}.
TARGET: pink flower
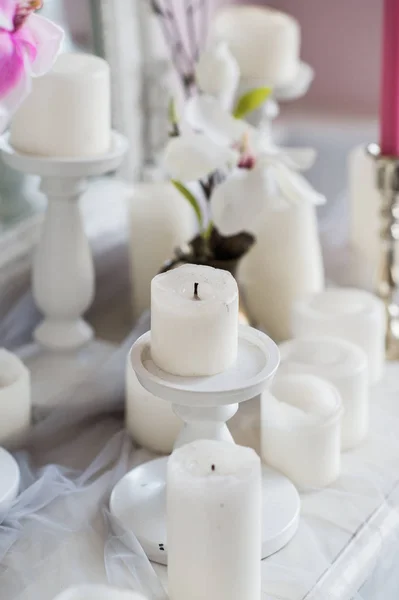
{"x":29,"y":45}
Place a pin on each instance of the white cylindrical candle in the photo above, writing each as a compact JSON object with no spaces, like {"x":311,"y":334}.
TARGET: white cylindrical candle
{"x":284,"y":265}
{"x":345,"y":366}
{"x":194,"y":320}
{"x":214,"y":522}
{"x":160,"y":220}
{"x":264,"y":41}
{"x":347,"y":313}
{"x":15,"y":399}
{"x":150,"y":420}
{"x":68,"y":113}
{"x":98,"y":592}
{"x":301,"y":431}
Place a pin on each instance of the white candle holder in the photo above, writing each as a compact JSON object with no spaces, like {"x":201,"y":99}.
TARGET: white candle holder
{"x":138,"y":501}
{"x":63,"y":272}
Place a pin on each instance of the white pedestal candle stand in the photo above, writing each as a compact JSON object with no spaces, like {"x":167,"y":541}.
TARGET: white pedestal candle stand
{"x":138,"y":501}
{"x":63,"y":272}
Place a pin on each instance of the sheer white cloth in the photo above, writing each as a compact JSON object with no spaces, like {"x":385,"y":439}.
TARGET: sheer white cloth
{"x":58,"y":531}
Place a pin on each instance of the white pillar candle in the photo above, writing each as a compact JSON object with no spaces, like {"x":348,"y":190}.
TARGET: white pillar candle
{"x":194,"y":320}
{"x":68,"y":113}
{"x":98,"y":592}
{"x":214,"y":522}
{"x":284,"y":265}
{"x":15,"y":399}
{"x":264,"y":41}
{"x":344,"y":365}
{"x":150,"y":420}
{"x":349,"y":314}
{"x":160,"y":220}
{"x":301,"y":431}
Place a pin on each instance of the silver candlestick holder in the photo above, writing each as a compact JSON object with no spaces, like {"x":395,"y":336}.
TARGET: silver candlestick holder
{"x":387,"y":181}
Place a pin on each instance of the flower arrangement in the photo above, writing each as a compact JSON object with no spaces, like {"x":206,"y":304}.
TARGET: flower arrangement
{"x":228,"y":170}
{"x":29,"y":45}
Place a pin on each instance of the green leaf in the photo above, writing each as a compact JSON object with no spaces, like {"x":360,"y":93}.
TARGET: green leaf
{"x":251,"y":101}
{"x":191,"y":199}
{"x":172,"y":115}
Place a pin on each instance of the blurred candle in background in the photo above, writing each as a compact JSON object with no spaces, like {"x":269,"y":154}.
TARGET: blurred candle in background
{"x":389,"y":115}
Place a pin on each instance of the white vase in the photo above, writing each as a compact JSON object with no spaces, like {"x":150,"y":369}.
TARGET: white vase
{"x":160,"y":220}
{"x":284,"y":265}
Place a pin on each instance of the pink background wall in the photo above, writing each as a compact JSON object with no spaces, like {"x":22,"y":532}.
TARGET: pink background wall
{"x":341,"y":40}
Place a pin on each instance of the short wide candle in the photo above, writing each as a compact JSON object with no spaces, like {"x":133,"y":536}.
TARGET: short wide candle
{"x":194,"y":321}
{"x":214,"y":522}
{"x":347,"y":313}
{"x":15,"y":399}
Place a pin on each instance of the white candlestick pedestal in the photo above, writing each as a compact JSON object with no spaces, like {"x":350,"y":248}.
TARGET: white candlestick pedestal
{"x":15,"y":399}
{"x":214,"y":522}
{"x":98,"y":592}
{"x":9,"y":481}
{"x":204,"y":403}
{"x":63,"y":273}
{"x":349,"y":314}
{"x":301,"y":430}
{"x":344,"y":365}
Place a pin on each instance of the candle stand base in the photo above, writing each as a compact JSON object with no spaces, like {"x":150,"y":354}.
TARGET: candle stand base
{"x":138,"y":501}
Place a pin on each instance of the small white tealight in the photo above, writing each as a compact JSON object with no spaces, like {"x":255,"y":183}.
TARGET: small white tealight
{"x":68,"y":112}
{"x":214,"y":522}
{"x":15,"y":399}
{"x":301,"y":431}
{"x":345,"y":366}
{"x":264,"y":41}
{"x":98,"y":592}
{"x":349,"y":314}
{"x":194,"y":321}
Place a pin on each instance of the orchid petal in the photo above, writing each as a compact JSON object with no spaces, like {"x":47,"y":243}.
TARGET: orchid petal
{"x":299,"y":86}
{"x":205,"y":114}
{"x":237,"y":202}
{"x":217,"y":73}
{"x":194,"y":156}
{"x":12,"y":100}
{"x":299,"y":159}
{"x":11,"y":63}
{"x":295,"y":188}
{"x":48,"y":38}
{"x":7,"y":11}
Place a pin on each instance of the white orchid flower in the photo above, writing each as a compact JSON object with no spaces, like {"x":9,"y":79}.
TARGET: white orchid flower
{"x":218,"y":74}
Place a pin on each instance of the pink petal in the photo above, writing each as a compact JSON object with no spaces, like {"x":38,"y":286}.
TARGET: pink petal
{"x":26,"y":44}
{"x":11,"y":63}
{"x":11,"y":101}
{"x":47,"y":38}
{"x":7,"y":12}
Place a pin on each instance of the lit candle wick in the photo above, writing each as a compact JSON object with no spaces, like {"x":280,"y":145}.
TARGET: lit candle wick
{"x":196,"y":296}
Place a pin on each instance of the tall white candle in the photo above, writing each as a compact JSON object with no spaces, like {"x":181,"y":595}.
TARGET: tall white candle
{"x":349,"y":314}
{"x":160,"y":220}
{"x":301,"y":430}
{"x":15,"y":399}
{"x":150,"y":420}
{"x":284,"y":265}
{"x":98,"y":592}
{"x":264,"y":41}
{"x":344,"y":365}
{"x":68,"y":113}
{"x":194,"y":320}
{"x":214,"y":522}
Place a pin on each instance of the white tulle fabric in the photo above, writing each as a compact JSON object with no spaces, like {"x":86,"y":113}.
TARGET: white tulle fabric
{"x":58,"y":533}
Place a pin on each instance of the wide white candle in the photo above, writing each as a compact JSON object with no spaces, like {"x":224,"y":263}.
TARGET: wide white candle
{"x":150,"y":420}
{"x":345,"y":366}
{"x":214,"y":522}
{"x":284,"y":265}
{"x":15,"y":399}
{"x":160,"y":220}
{"x":300,"y":429}
{"x":98,"y":592}
{"x":349,"y":314}
{"x":68,"y":112}
{"x":194,"y":320}
{"x":264,"y":41}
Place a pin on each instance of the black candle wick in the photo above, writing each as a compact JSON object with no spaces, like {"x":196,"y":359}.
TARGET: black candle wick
{"x":196,"y":296}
